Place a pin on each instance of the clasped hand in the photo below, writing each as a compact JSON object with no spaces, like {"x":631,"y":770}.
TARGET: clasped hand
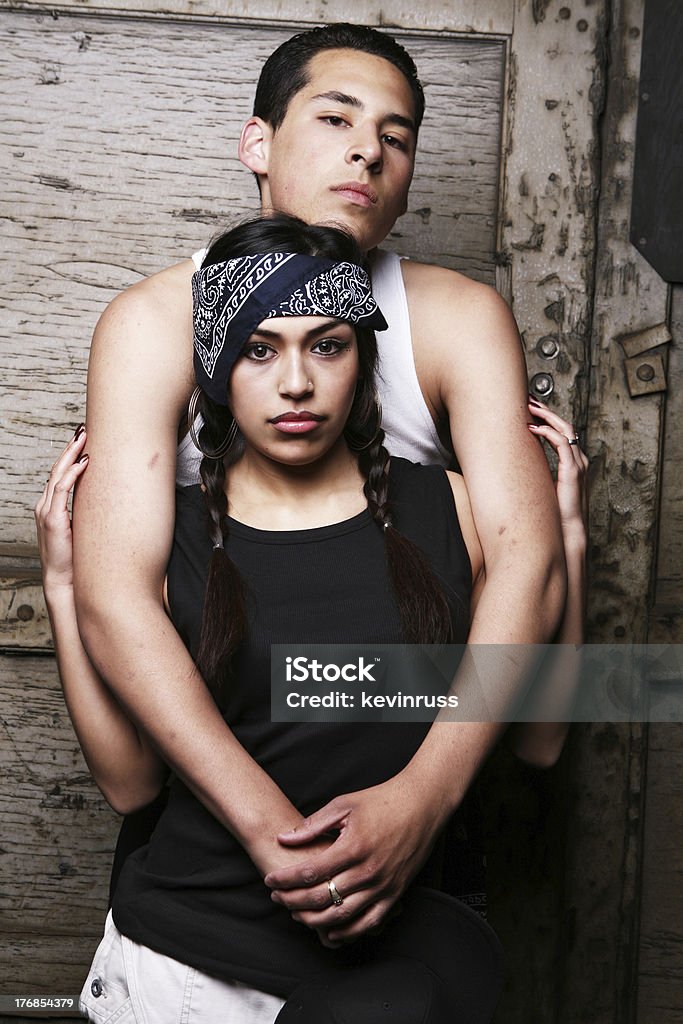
{"x":383,"y":837}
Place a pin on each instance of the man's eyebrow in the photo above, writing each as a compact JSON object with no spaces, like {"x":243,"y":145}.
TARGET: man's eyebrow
{"x":352,"y":101}
{"x":340,"y":97}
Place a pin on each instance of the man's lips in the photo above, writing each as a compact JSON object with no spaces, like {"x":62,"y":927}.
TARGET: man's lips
{"x":357,"y":192}
{"x":296,"y":422}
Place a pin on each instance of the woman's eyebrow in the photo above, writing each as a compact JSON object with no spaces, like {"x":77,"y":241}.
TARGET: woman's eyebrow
{"x":263,"y":332}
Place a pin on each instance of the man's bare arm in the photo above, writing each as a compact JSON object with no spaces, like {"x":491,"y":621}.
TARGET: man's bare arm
{"x":472,"y":372}
{"x":139,"y":379}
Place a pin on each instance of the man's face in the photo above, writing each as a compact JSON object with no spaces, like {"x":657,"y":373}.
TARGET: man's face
{"x":345,"y":152}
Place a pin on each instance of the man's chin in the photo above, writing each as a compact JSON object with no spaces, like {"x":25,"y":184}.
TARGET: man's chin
{"x":352,"y":220}
{"x":367,"y":236}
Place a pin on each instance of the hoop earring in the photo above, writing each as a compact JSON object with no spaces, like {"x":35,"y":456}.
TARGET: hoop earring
{"x":225,"y":445}
{"x":356,"y":443}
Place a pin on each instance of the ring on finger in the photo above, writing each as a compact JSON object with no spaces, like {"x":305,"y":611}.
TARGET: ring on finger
{"x":336,"y":898}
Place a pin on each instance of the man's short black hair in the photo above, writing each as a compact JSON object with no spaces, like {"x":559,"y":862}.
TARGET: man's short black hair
{"x":285,"y":73}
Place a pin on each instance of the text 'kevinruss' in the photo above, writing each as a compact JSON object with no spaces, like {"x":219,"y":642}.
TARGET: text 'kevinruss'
{"x":339,"y":699}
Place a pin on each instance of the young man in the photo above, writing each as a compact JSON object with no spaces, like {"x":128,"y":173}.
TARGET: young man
{"x":332,"y":140}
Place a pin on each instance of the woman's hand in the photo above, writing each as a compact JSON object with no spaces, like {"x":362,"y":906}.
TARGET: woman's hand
{"x":53,"y":522}
{"x":572,"y":466}
{"x":385,"y":834}
{"x":550,"y":702}
{"x":123,"y":763}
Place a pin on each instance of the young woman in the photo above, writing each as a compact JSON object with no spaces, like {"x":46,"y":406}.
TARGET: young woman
{"x":312,"y":533}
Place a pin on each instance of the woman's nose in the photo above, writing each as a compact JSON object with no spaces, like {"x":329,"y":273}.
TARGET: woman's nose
{"x":295,"y":380}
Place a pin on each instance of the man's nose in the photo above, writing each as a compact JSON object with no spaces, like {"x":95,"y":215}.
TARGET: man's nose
{"x":366,"y":147}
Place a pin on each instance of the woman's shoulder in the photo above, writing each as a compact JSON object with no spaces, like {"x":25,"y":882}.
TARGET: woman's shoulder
{"x":404,"y":473}
{"x":424,"y":489}
{"x":190,"y":512}
{"x":438,"y":498}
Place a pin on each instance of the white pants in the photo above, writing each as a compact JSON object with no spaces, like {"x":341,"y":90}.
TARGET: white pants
{"x":131,"y":984}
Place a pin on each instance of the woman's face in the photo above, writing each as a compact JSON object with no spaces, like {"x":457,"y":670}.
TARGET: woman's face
{"x":292,"y":388}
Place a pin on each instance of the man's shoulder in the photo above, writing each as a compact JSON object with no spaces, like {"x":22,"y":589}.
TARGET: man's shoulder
{"x":440,"y":289}
{"x":460,"y":330}
{"x":147,"y":331}
{"x":164,"y":295}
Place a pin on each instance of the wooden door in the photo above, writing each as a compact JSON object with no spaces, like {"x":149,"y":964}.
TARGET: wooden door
{"x":660,"y":944}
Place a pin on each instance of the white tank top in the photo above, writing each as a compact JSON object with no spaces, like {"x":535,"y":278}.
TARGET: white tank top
{"x":409,"y":427}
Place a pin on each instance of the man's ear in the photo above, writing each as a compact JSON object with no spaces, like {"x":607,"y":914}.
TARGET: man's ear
{"x":254,"y":145}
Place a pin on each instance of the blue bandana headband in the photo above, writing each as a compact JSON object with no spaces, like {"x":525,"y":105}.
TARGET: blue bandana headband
{"x":230,"y":300}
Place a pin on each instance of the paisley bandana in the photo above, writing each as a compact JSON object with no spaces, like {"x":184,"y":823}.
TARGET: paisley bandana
{"x":230,"y":300}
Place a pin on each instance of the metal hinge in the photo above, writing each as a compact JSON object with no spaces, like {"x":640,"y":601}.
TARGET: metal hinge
{"x":645,"y":368}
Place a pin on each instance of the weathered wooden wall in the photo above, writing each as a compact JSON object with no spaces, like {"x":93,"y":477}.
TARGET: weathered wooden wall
{"x":610,"y":846}
{"x":660,"y":969}
{"x":118,"y":142}
{"x":666,"y":618}
{"x":56,"y":838}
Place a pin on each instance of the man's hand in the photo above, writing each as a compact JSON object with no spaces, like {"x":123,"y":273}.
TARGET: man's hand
{"x":385,"y":834}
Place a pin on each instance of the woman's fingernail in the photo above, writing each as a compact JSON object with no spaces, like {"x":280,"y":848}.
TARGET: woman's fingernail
{"x":533,"y":426}
{"x":83,"y":458}
{"x":79,"y":430}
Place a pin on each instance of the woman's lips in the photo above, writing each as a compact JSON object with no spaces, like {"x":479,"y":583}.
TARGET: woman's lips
{"x":296,"y":422}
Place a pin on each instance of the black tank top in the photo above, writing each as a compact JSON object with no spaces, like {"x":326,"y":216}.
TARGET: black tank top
{"x":192,"y":893}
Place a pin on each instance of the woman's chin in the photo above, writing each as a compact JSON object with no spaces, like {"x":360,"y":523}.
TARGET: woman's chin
{"x":298,"y":450}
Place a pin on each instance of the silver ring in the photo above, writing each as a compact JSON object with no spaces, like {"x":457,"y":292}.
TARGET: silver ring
{"x":334,"y":893}
{"x":573,"y":440}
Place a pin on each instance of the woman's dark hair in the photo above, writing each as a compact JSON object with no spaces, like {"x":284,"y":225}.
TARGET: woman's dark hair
{"x":424,"y":612}
{"x":285,"y":73}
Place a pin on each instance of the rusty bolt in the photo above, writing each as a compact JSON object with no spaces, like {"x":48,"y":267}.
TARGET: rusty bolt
{"x":565,"y":13}
{"x":547,"y":347}
{"x":25,"y":613}
{"x":582,"y":25}
{"x":542,"y":384}
{"x":645,"y":372}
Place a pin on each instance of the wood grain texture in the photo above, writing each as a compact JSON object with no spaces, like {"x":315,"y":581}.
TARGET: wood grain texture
{"x":496,"y":16}
{"x":660,"y":968}
{"x":669,"y":587}
{"x":57,"y":833}
{"x":117,"y":148}
{"x":550,"y":189}
{"x":660,"y":974}
{"x":604,"y":854}
{"x":23,"y":616}
{"x":547,"y":258}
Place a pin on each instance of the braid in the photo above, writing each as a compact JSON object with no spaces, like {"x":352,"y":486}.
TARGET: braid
{"x":224,"y":616}
{"x":423,"y":608}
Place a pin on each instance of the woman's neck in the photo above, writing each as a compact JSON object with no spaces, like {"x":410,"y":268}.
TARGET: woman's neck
{"x":270,"y":495}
